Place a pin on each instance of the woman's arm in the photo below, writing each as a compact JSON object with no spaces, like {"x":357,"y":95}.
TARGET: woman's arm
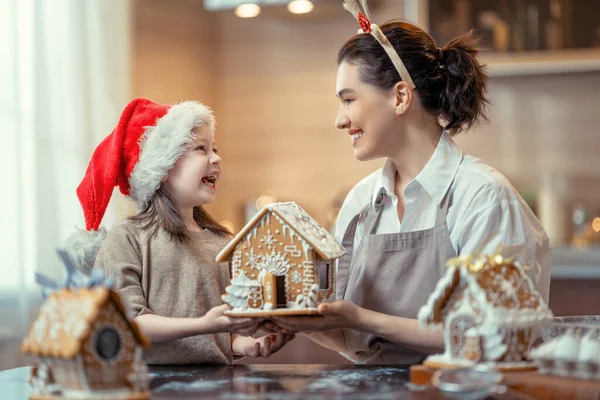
{"x":345,"y":314}
{"x":333,"y":339}
{"x":403,"y":331}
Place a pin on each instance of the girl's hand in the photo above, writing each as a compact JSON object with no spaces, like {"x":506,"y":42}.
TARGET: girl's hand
{"x":336,"y":315}
{"x":218,"y":322}
{"x":260,"y":347}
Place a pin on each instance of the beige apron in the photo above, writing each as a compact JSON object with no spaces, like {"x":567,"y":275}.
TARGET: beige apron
{"x":392,"y":274}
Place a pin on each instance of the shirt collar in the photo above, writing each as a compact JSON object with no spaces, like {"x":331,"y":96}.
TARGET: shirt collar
{"x":435,"y":177}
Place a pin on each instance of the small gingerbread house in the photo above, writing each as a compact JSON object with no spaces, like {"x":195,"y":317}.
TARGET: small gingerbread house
{"x":84,"y":344}
{"x":490,"y":311}
{"x":281,"y":261}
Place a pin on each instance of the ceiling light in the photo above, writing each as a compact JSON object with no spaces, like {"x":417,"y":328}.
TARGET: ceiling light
{"x":300,"y":6}
{"x":247,"y":10}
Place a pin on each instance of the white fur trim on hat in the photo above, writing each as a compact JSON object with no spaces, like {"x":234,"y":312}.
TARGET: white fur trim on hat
{"x":163,"y":144}
{"x":83,"y":246}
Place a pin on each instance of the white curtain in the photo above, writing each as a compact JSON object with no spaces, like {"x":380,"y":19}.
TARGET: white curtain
{"x":64,"y":78}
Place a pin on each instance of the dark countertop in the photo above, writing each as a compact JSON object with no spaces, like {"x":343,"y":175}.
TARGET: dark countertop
{"x":260,"y":381}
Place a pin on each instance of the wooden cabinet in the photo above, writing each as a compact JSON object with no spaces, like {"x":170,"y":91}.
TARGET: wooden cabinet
{"x":518,"y":37}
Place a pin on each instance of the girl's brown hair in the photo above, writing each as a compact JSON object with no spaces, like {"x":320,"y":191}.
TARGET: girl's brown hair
{"x":450,"y":81}
{"x":161,"y":212}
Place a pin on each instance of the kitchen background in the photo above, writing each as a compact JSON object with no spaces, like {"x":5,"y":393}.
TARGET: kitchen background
{"x":69,"y":67}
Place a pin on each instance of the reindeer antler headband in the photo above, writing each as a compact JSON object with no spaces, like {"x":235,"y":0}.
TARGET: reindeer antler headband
{"x":360,"y":11}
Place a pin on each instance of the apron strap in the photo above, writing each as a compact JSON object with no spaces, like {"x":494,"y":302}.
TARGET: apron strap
{"x":343,"y":263}
{"x":348,"y":241}
{"x":442,"y":210}
{"x":372,"y":220}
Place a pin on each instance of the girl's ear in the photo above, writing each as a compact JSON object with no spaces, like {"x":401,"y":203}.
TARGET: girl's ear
{"x":163,"y":180}
{"x":403,"y":97}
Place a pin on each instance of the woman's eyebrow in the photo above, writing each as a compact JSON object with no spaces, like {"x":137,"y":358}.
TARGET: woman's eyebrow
{"x":345,"y":91}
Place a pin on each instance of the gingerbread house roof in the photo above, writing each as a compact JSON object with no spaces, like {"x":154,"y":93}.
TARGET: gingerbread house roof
{"x":66,"y":318}
{"x":500,"y":286}
{"x":292,"y":215}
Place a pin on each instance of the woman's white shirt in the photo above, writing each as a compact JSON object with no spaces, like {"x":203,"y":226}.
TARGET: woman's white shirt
{"x":485,"y":210}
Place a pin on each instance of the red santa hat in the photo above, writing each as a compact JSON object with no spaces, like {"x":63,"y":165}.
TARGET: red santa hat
{"x":147,"y":141}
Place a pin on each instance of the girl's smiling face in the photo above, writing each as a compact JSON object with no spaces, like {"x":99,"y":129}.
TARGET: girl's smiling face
{"x":193,"y":179}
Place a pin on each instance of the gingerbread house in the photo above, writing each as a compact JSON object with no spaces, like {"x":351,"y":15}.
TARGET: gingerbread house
{"x":84,"y":344}
{"x":490,"y":311}
{"x":281,"y":263}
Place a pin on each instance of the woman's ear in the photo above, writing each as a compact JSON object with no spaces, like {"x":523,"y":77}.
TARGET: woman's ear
{"x":403,"y":96}
{"x":163,"y":180}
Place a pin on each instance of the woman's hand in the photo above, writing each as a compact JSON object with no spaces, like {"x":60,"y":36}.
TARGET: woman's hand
{"x":337,"y":315}
{"x":216,"y":321}
{"x":260,"y":347}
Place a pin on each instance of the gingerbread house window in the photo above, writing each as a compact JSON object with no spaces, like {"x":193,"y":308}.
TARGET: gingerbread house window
{"x":108,"y":343}
{"x":324,"y":276}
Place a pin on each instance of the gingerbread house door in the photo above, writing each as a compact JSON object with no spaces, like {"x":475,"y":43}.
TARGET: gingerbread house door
{"x":458,"y":326}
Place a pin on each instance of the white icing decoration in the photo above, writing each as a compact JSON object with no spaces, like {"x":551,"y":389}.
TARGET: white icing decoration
{"x":296,"y":277}
{"x":292,"y":251}
{"x":309,"y":275}
{"x":275,"y":263}
{"x":64,"y":316}
{"x":492,"y":338}
{"x":239,"y":292}
{"x":310,"y":230}
{"x":252,"y":259}
{"x":236,"y":263}
{"x":269,"y":240}
{"x":299,"y":303}
{"x":255,"y":297}
{"x":313,"y":296}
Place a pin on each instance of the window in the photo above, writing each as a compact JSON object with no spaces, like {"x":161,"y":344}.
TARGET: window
{"x":324,"y":275}
{"x":108,"y":343}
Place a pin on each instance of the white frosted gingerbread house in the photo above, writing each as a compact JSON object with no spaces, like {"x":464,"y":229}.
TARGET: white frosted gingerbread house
{"x":281,"y":263}
{"x":490,"y":311}
{"x":84,"y":344}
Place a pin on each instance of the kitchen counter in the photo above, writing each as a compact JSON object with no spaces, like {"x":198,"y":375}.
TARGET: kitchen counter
{"x":248,"y":382}
{"x":569,"y":263}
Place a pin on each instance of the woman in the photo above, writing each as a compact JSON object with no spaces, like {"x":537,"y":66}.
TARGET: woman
{"x":428,"y":203}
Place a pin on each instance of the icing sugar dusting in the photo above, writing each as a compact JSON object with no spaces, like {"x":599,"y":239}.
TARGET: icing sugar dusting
{"x":200,"y":385}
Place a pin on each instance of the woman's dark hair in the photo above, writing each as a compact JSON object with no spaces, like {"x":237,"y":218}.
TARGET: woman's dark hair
{"x":450,"y":81}
{"x":161,"y":212}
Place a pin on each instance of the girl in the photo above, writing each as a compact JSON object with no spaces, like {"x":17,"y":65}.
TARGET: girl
{"x":165,"y":159}
{"x":403,"y":99}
